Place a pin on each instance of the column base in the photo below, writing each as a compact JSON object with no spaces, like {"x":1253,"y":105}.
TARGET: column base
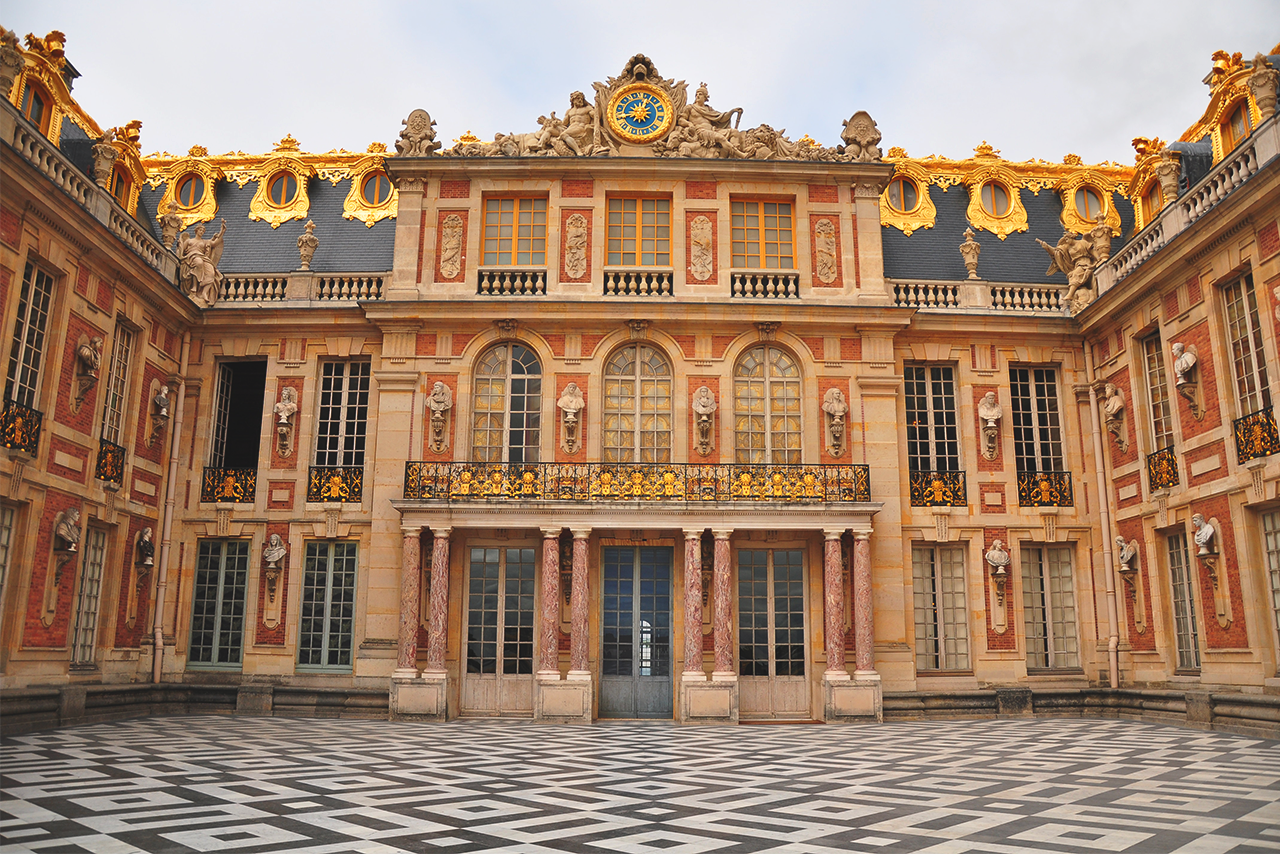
{"x":693,"y":676}
{"x":856,"y":700}
{"x":405,"y":673}
{"x":836,"y":676}
{"x":714,"y":702}
{"x":563,"y":702}
{"x":419,"y":699}
{"x":724,"y":676}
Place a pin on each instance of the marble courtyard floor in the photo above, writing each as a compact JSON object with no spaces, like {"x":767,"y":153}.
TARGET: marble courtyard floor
{"x":290,"y":785}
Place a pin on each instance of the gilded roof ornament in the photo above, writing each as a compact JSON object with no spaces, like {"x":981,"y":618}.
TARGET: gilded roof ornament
{"x":287,"y":144}
{"x":1072,"y":160}
{"x":51,"y":47}
{"x":376,"y":148}
{"x":198,"y":151}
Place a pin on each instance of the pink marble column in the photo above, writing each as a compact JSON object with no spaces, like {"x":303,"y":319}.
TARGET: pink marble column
{"x":722,"y":605}
{"x":693,"y":603}
{"x":863,"y":627}
{"x":833,"y":603}
{"x":549,"y":626}
{"x":438,"y":605}
{"x":578,"y":605}
{"x":410,"y":589}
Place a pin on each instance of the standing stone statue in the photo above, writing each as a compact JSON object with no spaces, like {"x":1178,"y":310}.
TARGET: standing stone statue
{"x":704,"y":407}
{"x":105,"y":155}
{"x":1076,"y":257}
{"x":88,"y":361}
{"x":307,"y":243}
{"x":418,"y":139}
{"x":170,"y":225}
{"x":1262,"y":83}
{"x":199,"y":259}
{"x":969,"y":251}
{"x":836,"y":408}
{"x":440,"y":402}
{"x":990,"y":413}
{"x":571,"y":404}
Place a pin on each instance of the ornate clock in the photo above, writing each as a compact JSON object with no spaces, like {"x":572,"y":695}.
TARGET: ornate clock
{"x":639,"y":113}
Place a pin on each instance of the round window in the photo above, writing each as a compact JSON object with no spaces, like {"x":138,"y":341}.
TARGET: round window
{"x":376,"y":188}
{"x":995,"y":198}
{"x":1089,"y":204}
{"x":190,"y":191}
{"x":282,"y":189}
{"x":903,"y":195}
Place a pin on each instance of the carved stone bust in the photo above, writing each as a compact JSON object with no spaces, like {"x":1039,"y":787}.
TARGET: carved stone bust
{"x":571,"y":404}
{"x":1204,"y":534}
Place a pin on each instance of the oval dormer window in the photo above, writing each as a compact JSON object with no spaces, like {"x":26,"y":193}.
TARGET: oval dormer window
{"x":190,"y":190}
{"x":995,"y":198}
{"x":375,"y":189}
{"x":903,"y":194}
{"x":1089,"y":204}
{"x":282,"y":188}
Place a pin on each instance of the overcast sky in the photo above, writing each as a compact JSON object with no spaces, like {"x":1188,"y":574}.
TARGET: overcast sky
{"x":1034,"y":79}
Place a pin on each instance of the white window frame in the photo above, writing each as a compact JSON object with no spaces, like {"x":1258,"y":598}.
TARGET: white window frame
{"x":26,"y":355}
{"x":1037,"y":441}
{"x":342,"y":422}
{"x":780,"y":415}
{"x":1182,"y":583}
{"x":117,"y":385}
{"x":327,"y":611}
{"x":1158,"y":392}
{"x":936,"y":439}
{"x":529,"y":398}
{"x":941,"y":607}
{"x":229,"y":599}
{"x":637,"y":408}
{"x":1244,"y":339}
{"x":85,"y":624}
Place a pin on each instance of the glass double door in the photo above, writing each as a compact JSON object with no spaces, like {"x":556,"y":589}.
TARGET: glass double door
{"x":635,"y":652}
{"x":772,"y":647}
{"x":501,"y":584}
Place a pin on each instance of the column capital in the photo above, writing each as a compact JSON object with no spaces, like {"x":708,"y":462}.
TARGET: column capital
{"x":580,"y":533}
{"x":551,"y":533}
{"x":411,"y":531}
{"x":441,"y":533}
{"x":722,"y":534}
{"x":833,"y":533}
{"x":692,"y":534}
{"x":862,"y":535}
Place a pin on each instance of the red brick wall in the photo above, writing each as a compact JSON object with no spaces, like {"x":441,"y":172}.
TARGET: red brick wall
{"x":699,"y":189}
{"x":985,"y":489}
{"x":462,"y":261}
{"x":720,"y":343}
{"x":817,"y":347}
{"x":451,"y":428}
{"x":577,"y":188}
{"x":687,"y":343}
{"x":1120,"y":379}
{"x":10,"y":226}
{"x":984,"y":464}
{"x":996,"y":640}
{"x":262,"y":634}
{"x":562,"y":381}
{"x":131,"y":637}
{"x":106,"y":297}
{"x":35,"y":633}
{"x":80,"y":452}
{"x":460,"y":341}
{"x":1171,"y":308}
{"x":590,"y":341}
{"x":286,"y":486}
{"x":278,"y":460}
{"x":565,"y":213}
{"x":825,"y":456}
{"x":851,"y":349}
{"x":824,"y":193}
{"x":1220,"y":448}
{"x":1268,"y":240}
{"x":425,"y":344}
{"x":152,"y":373}
{"x":814,"y":219}
{"x":1207,"y":376}
{"x":83,"y":420}
{"x":555,"y":341}
{"x":1194,"y":294}
{"x":459,"y":189}
{"x":82,"y":281}
{"x":714,"y":457}
{"x":1234,"y":636}
{"x":6,"y":276}
{"x":151,"y":494}
{"x":1131,"y":529}
{"x":1119,"y":483}
{"x":689,"y":217}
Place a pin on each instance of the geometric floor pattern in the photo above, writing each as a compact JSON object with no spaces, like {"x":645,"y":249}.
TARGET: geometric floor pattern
{"x":249,"y":785}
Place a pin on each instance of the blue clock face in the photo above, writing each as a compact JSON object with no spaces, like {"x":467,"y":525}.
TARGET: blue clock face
{"x":639,"y":114}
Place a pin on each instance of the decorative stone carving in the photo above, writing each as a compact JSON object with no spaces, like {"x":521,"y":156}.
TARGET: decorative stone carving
{"x":998,"y":559}
{"x":837,"y":409}
{"x":1185,"y":357}
{"x":418,"y":139}
{"x":1262,"y":83}
{"x":580,"y":122}
{"x":639,"y":329}
{"x":704,"y":410}
{"x":439,"y":402}
{"x":284,"y":410}
{"x":1127,"y":554}
{"x":159,"y":415}
{"x":969,"y":251}
{"x":1128,"y":557}
{"x":105,"y":155}
{"x":307,"y":243}
{"x":10,"y":60}
{"x":1077,"y":257}
{"x":1204,"y":534}
{"x":170,"y":225}
{"x":272,"y":553}
{"x":701,"y":251}
{"x":990,"y":412}
{"x":198,"y":271}
{"x":1168,"y":173}
{"x":1206,"y":531}
{"x":145,"y":552}
{"x":88,"y":361}
{"x":861,"y":138}
{"x":575,"y":246}
{"x":703,"y":131}
{"x":571,"y":404}
{"x":66,"y":542}
{"x":507,"y":326}
{"x":824,"y":250}
{"x":767,"y":329}
{"x":451,"y":246}
{"x":1113,"y":411}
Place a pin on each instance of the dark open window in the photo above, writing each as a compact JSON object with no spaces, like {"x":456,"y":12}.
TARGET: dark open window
{"x":237,"y":427}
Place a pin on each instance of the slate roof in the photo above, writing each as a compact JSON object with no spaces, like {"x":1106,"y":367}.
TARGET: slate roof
{"x":253,"y":246}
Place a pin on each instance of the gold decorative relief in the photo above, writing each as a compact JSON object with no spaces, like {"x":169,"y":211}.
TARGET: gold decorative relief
{"x":291,"y":205}
{"x":372,"y":203}
{"x":44,"y":62}
{"x":1014,"y":217}
{"x":1103,"y":186}
{"x":924,"y":214}
{"x":203,"y":210}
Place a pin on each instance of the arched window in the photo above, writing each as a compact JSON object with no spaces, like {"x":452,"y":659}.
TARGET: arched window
{"x":506,"y":412}
{"x":766,"y":407}
{"x":637,"y":406}
{"x":36,"y":106}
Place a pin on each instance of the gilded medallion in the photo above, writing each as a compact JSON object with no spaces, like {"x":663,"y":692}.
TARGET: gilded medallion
{"x":639,"y":113}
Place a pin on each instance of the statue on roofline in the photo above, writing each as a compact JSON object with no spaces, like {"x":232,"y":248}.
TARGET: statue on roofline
{"x":198,"y":273}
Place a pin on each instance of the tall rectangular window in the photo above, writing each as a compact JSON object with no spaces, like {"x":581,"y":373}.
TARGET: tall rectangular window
{"x":1271,"y":548}
{"x":237,"y":418}
{"x":1037,"y":427}
{"x":1185,"y":633}
{"x":344,"y":414}
{"x":942,"y":627}
{"x":328,"y":605}
{"x":86,"y":619}
{"x":1158,"y":388}
{"x":763,"y":235}
{"x":1244,"y":332}
{"x":22,"y":384}
{"x":932,"y":442}
{"x":7,"y":520}
{"x":640,"y":232}
{"x":117,"y":380}
{"x":515,"y":232}
{"x":1049,"y":605}
{"x":217,"y":611}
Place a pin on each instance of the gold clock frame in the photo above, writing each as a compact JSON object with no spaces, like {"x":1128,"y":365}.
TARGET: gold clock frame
{"x":623,"y":133}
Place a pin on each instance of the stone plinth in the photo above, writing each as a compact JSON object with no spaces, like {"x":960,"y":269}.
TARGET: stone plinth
{"x":852,"y":700}
{"x":562,"y":701}
{"x":421,"y":699}
{"x":703,"y":702}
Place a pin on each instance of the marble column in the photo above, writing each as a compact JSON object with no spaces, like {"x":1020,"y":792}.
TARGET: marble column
{"x":410,"y":590}
{"x":693,"y":604}
{"x":722,"y":607}
{"x":578,"y":608}
{"x":863,"y":627}
{"x":549,"y":622}
{"x":833,"y":604}
{"x":438,"y":604}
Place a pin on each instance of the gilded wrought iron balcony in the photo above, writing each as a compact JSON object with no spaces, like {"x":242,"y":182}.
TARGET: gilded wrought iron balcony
{"x":1256,"y":435}
{"x":234,"y":486}
{"x":110,"y":463}
{"x":425,"y":481}
{"x":938,"y":489}
{"x":1162,"y":469}
{"x":335,"y":484}
{"x":1045,"y":489}
{"x":20,"y":427}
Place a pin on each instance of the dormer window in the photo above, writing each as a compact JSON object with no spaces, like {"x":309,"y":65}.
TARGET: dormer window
{"x":376,"y":189}
{"x":120,"y":185}
{"x":1152,"y":203}
{"x":190,"y":190}
{"x":1237,"y":127}
{"x":35,"y":106}
{"x":903,"y":194}
{"x":282,"y":189}
{"x":995,"y":199}
{"x":1089,"y":204}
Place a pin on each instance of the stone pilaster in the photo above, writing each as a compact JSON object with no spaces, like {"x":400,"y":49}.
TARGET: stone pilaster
{"x":410,"y":584}
{"x":438,"y":606}
{"x":579,"y":608}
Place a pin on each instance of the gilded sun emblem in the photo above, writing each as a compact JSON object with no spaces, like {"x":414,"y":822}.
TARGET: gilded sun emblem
{"x":639,"y":113}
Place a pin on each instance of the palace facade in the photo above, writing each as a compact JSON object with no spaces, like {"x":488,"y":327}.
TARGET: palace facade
{"x":638,"y":414}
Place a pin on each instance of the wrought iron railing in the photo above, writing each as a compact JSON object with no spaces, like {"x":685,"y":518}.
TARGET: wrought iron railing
{"x":1045,"y":489}
{"x":1256,"y":435}
{"x":426,"y":481}
{"x":20,"y":427}
{"x":110,"y":463}
{"x":335,"y":484}
{"x":234,"y":486}
{"x":1162,"y":469}
{"x":938,"y":489}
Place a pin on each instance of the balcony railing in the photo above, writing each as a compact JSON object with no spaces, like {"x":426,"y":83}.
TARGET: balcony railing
{"x":425,"y":481}
{"x":1162,"y":469}
{"x":1256,"y":435}
{"x":508,"y":282}
{"x":637,"y":283}
{"x":335,"y":484}
{"x":254,"y":288}
{"x":349,"y":286}
{"x":764,"y":285}
{"x":926,"y":294}
{"x":20,"y":427}
{"x":233,"y":486}
{"x":110,"y":463}
{"x":1045,"y":489}
{"x":938,"y":489}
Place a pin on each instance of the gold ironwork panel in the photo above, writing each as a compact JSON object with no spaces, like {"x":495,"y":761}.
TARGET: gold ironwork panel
{"x":1045,"y":489}
{"x":20,"y":427}
{"x":1162,"y":469}
{"x":232,"y":486}
{"x":335,"y":484}
{"x":938,"y":489}
{"x":110,"y":462}
{"x":1256,"y":435}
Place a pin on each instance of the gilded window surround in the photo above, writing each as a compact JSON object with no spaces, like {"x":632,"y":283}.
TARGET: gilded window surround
{"x":1000,"y":226}
{"x":1105,"y":186}
{"x":207,"y":208}
{"x":126,"y":142}
{"x":262,"y":208}
{"x":925,"y":213}
{"x":1226,"y":95}
{"x":43,"y":61}
{"x":355,"y":206}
